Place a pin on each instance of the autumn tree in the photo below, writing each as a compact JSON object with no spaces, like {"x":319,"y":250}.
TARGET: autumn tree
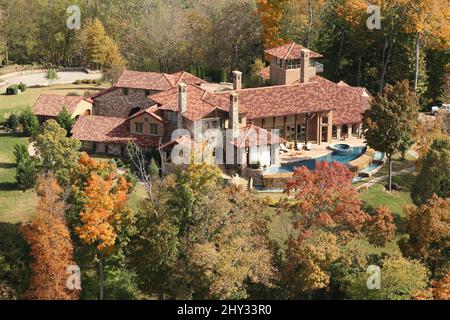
{"x":302,"y":20}
{"x":428,"y":21}
{"x":97,"y":49}
{"x":400,"y":280}
{"x":380,"y":229}
{"x":428,"y":227}
{"x":434,"y":176}
{"x":425,"y":132}
{"x":104,"y":208}
{"x":270,"y":12}
{"x":324,"y":198}
{"x":388,"y":125}
{"x":441,"y":288}
{"x":57,"y":152}
{"x":51,"y":245}
{"x":309,"y":263}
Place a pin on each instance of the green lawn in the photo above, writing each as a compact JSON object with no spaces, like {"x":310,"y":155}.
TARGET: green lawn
{"x":15,"y":205}
{"x":18,"y":103}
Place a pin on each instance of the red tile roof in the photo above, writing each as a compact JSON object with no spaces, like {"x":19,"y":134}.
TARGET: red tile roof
{"x":290,"y":51}
{"x":273,"y":101}
{"x":349,"y":102}
{"x":51,"y":104}
{"x":151,"y":111}
{"x":109,"y":130}
{"x":251,"y":136}
{"x":155,"y":81}
{"x":197,"y":106}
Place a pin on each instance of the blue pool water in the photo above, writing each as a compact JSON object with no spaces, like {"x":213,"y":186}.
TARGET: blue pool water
{"x":311,"y":164}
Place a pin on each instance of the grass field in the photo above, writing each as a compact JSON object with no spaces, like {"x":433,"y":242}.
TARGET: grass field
{"x":18,"y":103}
{"x":15,"y":205}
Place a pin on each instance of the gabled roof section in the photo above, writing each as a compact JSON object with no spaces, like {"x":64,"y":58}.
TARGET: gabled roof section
{"x":155,"y":81}
{"x":290,"y":51}
{"x":197,"y":106}
{"x":52,"y":104}
{"x":151,"y":111}
{"x":109,"y":130}
{"x":252,"y":136}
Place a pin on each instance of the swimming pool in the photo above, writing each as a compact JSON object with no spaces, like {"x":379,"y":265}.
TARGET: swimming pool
{"x":311,"y":164}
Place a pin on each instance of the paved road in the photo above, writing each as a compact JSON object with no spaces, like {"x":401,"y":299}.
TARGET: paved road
{"x":38,"y":78}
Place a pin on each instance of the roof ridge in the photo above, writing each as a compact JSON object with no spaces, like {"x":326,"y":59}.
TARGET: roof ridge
{"x":289,"y":50}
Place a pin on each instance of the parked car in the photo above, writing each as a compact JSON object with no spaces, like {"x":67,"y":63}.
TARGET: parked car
{"x":436,"y":109}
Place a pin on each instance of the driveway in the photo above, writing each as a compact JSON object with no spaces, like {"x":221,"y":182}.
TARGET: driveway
{"x":39,"y":80}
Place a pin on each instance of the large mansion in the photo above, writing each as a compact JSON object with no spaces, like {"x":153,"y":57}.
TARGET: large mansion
{"x":146,"y":107}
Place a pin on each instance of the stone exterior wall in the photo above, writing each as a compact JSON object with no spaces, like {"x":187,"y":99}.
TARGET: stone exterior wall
{"x":116,"y":104}
{"x":146,"y":120}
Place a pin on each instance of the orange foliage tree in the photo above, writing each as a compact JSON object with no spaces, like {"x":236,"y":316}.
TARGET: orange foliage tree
{"x":324,"y":198}
{"x":51,"y":245}
{"x":103,"y":210}
{"x":270,"y":12}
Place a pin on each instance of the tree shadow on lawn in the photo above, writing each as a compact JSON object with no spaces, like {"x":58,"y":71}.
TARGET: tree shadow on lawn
{"x":16,"y":259}
{"x":9,"y":186}
{"x":4,"y":165}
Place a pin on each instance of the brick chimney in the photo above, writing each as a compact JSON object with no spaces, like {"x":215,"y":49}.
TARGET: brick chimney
{"x":182,"y":103}
{"x":304,"y":69}
{"x":233,"y":121}
{"x":237,"y":80}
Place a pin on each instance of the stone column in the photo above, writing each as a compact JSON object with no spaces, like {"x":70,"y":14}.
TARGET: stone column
{"x":350,"y":128}
{"x":338,"y":132}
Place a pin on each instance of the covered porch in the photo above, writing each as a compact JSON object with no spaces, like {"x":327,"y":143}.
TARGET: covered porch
{"x":299,"y":129}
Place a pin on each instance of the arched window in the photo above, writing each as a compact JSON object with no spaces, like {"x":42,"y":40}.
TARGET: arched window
{"x":134,"y":111}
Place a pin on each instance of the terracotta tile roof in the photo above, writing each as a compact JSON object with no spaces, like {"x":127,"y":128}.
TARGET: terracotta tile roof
{"x":155,"y":81}
{"x":349,"y":102}
{"x":273,"y":101}
{"x":197,"y":106}
{"x":290,"y":51}
{"x":265,"y":73}
{"x":108,"y":130}
{"x":251,"y":136}
{"x":52,"y":104}
{"x":151,"y":111}
{"x":183,"y":140}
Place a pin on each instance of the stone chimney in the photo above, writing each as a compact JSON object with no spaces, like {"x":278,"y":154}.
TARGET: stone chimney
{"x":304,"y":69}
{"x":233,"y":121}
{"x":182,"y":103}
{"x":237,"y":80}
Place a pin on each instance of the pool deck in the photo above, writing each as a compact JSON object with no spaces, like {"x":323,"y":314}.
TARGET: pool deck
{"x":317,"y":151}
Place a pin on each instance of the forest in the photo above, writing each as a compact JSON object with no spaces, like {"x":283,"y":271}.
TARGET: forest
{"x":225,"y":35}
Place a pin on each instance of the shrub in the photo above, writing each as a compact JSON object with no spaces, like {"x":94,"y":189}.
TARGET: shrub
{"x":13,"y":122}
{"x":20,"y":152}
{"x":98,"y":82}
{"x":72,"y":94}
{"x":78,"y":82}
{"x":30,"y":123}
{"x":12,"y":90}
{"x":22,"y":87}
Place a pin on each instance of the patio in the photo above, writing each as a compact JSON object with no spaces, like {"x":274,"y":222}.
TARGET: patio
{"x":316,"y":150}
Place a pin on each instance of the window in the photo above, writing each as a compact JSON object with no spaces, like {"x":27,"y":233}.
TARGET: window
{"x":147,"y":93}
{"x":153,"y":129}
{"x":139,"y":127}
{"x":125,"y":91}
{"x":172,"y":117}
{"x":293,"y":64}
